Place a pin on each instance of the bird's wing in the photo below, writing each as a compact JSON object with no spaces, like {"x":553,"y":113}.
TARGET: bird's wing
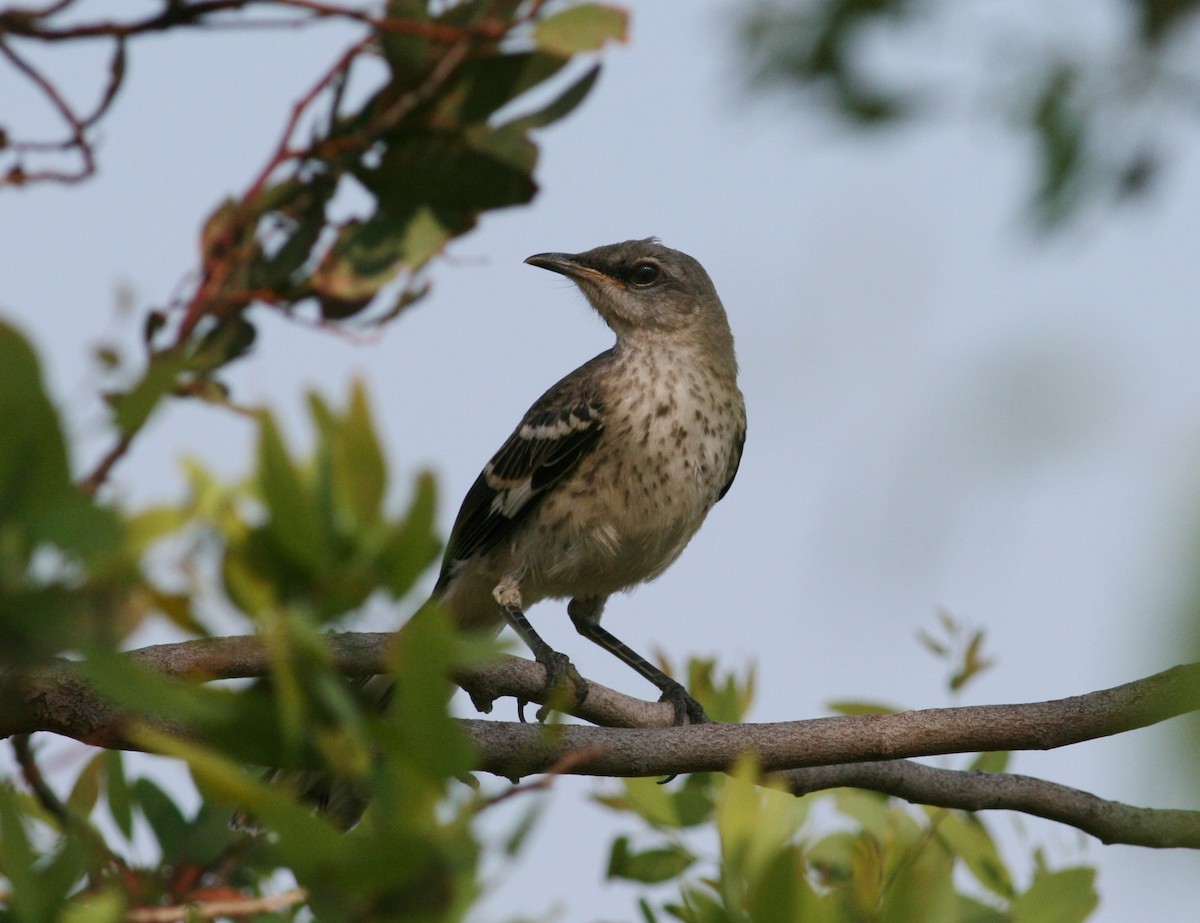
{"x":556,"y":433}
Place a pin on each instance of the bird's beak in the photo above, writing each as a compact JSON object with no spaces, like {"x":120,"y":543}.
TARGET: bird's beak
{"x":568,"y":264}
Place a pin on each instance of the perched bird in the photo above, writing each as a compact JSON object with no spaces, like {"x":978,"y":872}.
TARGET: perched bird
{"x":602,"y":484}
{"x":611,"y":472}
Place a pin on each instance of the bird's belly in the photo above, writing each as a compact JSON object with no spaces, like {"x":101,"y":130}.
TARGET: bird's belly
{"x":605,"y":538}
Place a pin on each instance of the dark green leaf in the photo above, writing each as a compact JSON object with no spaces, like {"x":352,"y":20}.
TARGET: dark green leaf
{"x":487,"y":84}
{"x":162,"y":814}
{"x":649,"y":866}
{"x":293,"y":525}
{"x":117,"y":792}
{"x":562,"y":106}
{"x":412,"y":545}
{"x":132,"y":408}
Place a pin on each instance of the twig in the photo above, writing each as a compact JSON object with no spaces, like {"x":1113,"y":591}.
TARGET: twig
{"x":211,"y":910}
{"x":31,"y":772}
{"x":77,"y":139}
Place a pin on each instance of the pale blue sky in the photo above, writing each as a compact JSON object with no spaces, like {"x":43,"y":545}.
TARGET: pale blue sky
{"x":944,"y":413}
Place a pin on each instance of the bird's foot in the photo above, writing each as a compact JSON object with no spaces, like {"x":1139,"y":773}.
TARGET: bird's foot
{"x":564,"y":686}
{"x":687,"y":709}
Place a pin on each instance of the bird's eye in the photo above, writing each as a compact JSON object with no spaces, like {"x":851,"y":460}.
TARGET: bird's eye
{"x":644,"y":274}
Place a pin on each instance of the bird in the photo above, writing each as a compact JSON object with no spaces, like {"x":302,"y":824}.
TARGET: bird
{"x":613,"y":470}
{"x":599,"y":488}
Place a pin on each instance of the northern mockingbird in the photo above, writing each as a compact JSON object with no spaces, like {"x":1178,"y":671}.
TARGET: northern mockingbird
{"x":604,"y":481}
{"x":611,"y":472}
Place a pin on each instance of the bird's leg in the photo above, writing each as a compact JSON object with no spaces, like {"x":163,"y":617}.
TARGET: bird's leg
{"x":560,"y":672}
{"x":585,"y":613}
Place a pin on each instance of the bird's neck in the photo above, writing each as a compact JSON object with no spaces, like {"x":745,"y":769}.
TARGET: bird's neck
{"x":709,"y":348}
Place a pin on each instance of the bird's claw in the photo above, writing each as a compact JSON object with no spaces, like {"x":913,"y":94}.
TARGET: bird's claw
{"x":687,"y":709}
{"x":564,"y":685}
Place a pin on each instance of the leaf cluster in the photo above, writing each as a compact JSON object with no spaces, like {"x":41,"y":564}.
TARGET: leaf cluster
{"x":1084,"y":113}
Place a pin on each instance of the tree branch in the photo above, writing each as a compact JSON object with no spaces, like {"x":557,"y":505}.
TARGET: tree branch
{"x":1107,"y":821}
{"x":635,"y":737}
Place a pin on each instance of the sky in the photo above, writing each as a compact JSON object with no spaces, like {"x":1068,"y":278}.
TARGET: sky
{"x":946,"y":413}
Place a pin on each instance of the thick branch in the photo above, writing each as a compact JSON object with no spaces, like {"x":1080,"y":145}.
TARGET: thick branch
{"x":825,"y":741}
{"x":635,"y":737}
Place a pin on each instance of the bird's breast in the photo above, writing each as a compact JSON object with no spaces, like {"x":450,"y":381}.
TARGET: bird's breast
{"x":636,"y":501}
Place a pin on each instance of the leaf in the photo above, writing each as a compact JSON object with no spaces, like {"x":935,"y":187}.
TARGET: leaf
{"x":293,"y":524}
{"x":585,"y":27}
{"x":968,"y":839}
{"x":776,"y":895}
{"x":992,"y":761}
{"x":922,"y":886}
{"x":358,"y":468}
{"x":973,"y":662}
{"x":845,"y":707}
{"x":649,"y":800}
{"x":428,"y":738}
{"x":306,"y":841}
{"x":162,"y":814}
{"x":117,"y":792}
{"x":132,"y":408}
{"x":107,"y":906}
{"x":649,"y":866}
{"x":560,"y":107}
{"x":86,"y":790}
{"x":1066,"y":896}
{"x":412,"y":545}
{"x":490,"y":83}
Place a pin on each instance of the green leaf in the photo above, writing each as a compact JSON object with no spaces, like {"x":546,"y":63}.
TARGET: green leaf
{"x":586,"y":27}
{"x":455,"y":174}
{"x":562,"y":106}
{"x":488,"y":84}
{"x":293,"y":525}
{"x":17,"y":858}
{"x":162,"y":814}
{"x":845,"y":707}
{"x":871,"y":809}
{"x":412,"y":545}
{"x":107,"y":906}
{"x":992,"y":761}
{"x":86,"y":790}
{"x":305,"y":841}
{"x":117,"y":792}
{"x":132,"y":408}
{"x":649,"y":866}
{"x":359,"y":469}
{"x":967,"y":838}
{"x":921,"y":887}
{"x":776,"y":895}
{"x":1066,"y":896}
{"x":427,"y":736}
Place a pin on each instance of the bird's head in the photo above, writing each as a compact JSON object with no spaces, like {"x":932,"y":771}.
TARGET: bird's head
{"x":640,"y":286}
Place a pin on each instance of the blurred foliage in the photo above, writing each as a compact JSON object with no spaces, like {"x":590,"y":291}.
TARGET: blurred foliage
{"x":737,"y":848}
{"x":62,"y":570}
{"x":1094,"y":112}
{"x":423,"y":123}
